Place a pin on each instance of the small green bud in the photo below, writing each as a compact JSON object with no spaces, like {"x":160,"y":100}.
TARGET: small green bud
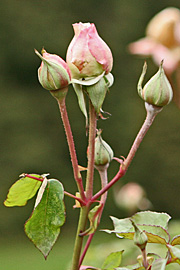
{"x":140,"y":237}
{"x":103,"y":152}
{"x":157,"y":91}
{"x":54,"y":73}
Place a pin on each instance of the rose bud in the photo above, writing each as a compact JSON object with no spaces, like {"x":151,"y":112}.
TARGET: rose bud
{"x":54,"y":73}
{"x":88,"y":55}
{"x":140,"y":237}
{"x":157,"y":91}
{"x":103,"y":152}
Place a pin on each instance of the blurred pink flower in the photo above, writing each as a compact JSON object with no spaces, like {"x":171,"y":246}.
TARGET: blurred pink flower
{"x":162,"y":40}
{"x":131,"y":197}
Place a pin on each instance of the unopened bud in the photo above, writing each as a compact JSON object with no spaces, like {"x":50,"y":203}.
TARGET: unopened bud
{"x":140,"y":237}
{"x":157,"y":91}
{"x":103,"y":152}
{"x":54,"y":73}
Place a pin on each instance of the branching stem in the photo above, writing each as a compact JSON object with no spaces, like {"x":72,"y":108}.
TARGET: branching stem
{"x":104,"y":180}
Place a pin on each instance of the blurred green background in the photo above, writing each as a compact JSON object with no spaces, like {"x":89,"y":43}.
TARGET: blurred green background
{"x":32,"y":137}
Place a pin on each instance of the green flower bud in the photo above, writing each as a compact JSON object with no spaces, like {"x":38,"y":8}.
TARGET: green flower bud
{"x":54,"y":73}
{"x":103,"y":152}
{"x":157,"y":91}
{"x":140,"y":237}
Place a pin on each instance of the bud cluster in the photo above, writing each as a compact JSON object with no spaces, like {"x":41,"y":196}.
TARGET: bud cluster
{"x":88,"y":64}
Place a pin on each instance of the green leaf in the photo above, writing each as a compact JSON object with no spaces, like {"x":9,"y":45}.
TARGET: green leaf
{"x":81,"y":99}
{"x":22,"y":191}
{"x":97,"y":93}
{"x":93,"y":219}
{"x":152,"y":218}
{"x":159,"y":264}
{"x":155,"y":233}
{"x":43,"y":227}
{"x":113,"y":260}
{"x":175,"y":240}
{"x":131,"y":267}
{"x":175,"y":253}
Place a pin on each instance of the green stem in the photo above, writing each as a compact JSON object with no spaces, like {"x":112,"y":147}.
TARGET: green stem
{"x":79,"y":239}
{"x":91,"y":150}
{"x":89,"y":189}
{"x":104,"y":180}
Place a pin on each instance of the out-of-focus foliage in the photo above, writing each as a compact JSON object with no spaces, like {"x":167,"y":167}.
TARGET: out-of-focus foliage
{"x":32,"y":137}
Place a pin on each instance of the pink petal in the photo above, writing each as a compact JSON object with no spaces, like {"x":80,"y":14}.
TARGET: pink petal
{"x":58,"y":60}
{"x":144,"y":46}
{"x":79,"y":50}
{"x":78,"y":27}
{"x":171,"y":60}
{"x":99,"y":49}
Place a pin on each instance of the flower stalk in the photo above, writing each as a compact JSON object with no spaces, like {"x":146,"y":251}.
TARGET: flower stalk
{"x":70,"y":140}
{"x":104,"y":181}
{"x":152,"y":111}
{"x":91,"y":151}
{"x":79,"y":239}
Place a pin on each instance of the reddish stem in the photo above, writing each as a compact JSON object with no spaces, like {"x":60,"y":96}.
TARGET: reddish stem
{"x":33,"y":177}
{"x":70,"y":140}
{"x":119,"y":174}
{"x":83,"y":203}
{"x":86,"y":248}
{"x":152,"y":111}
{"x":104,"y":180}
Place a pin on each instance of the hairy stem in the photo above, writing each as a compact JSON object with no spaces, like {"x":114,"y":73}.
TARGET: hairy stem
{"x":89,"y":189}
{"x":119,"y":174}
{"x":104,"y":180}
{"x":152,"y":111}
{"x":70,"y":140}
{"x":91,"y":150}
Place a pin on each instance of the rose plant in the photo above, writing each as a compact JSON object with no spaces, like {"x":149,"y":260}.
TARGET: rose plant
{"x":87,"y":67}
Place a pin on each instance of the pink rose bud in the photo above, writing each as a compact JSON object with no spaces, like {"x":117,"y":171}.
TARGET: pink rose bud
{"x":88,"y":55}
{"x":54,"y":73}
